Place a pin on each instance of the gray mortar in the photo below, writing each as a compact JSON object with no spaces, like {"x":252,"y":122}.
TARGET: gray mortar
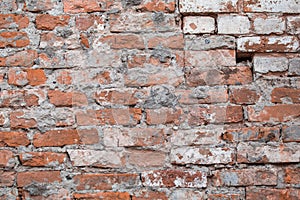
{"x":161,"y":96}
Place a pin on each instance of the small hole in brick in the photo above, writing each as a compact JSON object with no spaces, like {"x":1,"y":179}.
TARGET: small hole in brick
{"x":244,"y":57}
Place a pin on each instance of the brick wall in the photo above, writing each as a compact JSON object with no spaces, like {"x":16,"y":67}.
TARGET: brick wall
{"x":141,"y":99}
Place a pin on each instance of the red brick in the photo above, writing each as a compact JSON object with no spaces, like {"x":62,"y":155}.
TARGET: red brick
{"x":225,"y":76}
{"x":292,"y":175}
{"x":88,"y":136}
{"x":22,"y":59}
{"x":149,"y":195}
{"x":103,"y":195}
{"x":5,"y":157}
{"x":57,"y":138}
{"x":282,"y":95}
{"x":7,"y":178}
{"x":38,"y":6}
{"x":13,"y":39}
{"x":163,"y":116}
{"x":79,"y":6}
{"x":29,"y":177}
{"x":149,"y":159}
{"x":268,"y":44}
{"x":60,"y":193}
{"x":245,"y":177}
{"x":49,"y":22}
{"x":123,"y":97}
{"x":272,"y":194}
{"x":41,"y":159}
{"x":259,"y":134}
{"x":2,"y":119}
{"x":18,"y":98}
{"x":84,"y":41}
{"x":215,"y":114}
{"x":128,"y":41}
{"x":174,"y":178}
{"x":86,"y":21}
{"x":36,"y":77}
{"x":157,"y":6}
{"x":120,"y":116}
{"x":17,"y":120}
{"x":134,"y":137}
{"x":13,"y":139}
{"x":243,"y":96}
{"x":52,"y":41}
{"x":172,"y":42}
{"x":154,"y":58}
{"x":11,"y":20}
{"x":17,"y":77}
{"x":103,"y":78}
{"x":276,"y":113}
{"x":105,"y":181}
{"x":59,"y":98}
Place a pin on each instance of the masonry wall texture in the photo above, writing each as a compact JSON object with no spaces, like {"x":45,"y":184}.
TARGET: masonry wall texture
{"x":149,"y":100}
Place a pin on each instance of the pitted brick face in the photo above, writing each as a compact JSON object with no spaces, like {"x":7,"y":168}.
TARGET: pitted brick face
{"x":149,"y":99}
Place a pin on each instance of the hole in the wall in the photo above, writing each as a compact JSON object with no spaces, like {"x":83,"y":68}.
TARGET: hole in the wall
{"x":244,"y":57}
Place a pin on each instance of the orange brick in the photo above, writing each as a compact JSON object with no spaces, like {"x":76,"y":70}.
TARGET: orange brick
{"x":8,"y":20}
{"x":13,"y":39}
{"x":56,"y":138}
{"x":26,"y":178}
{"x":49,"y":22}
{"x":59,"y":98}
{"x":40,"y":159}
{"x":13,"y":139}
{"x":36,"y":77}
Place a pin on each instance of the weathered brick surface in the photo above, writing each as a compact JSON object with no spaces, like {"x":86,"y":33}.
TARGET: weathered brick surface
{"x":199,"y":25}
{"x":245,"y":177}
{"x":174,"y":178}
{"x":233,"y":24}
{"x":149,"y":99}
{"x":198,"y":6}
{"x":259,"y":153}
{"x":268,"y":44}
{"x":289,"y":6}
{"x":267,"y":193}
{"x":202,"y":155}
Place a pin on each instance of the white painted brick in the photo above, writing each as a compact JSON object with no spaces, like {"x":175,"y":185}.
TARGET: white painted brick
{"x":268,"y":44}
{"x":265,"y":64}
{"x":267,"y":25}
{"x":197,"y":6}
{"x":283,"y":6}
{"x":233,"y":24}
{"x":198,"y":25}
{"x":201,"y":155}
{"x":293,"y":24}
